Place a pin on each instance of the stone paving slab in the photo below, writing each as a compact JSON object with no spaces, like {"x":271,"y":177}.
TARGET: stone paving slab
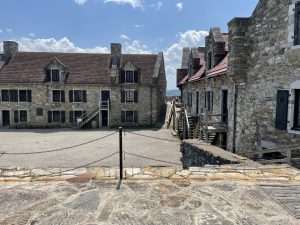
{"x":157,"y":202}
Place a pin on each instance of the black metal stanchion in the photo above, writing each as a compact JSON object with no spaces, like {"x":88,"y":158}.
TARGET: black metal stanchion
{"x":121,"y":153}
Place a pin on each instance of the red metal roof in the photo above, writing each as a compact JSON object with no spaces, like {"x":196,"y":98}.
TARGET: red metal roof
{"x":220,"y":68}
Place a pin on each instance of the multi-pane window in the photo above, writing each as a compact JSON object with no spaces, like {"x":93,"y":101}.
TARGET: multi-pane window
{"x":129,"y":96}
{"x":58,"y":96}
{"x":55,"y":75}
{"x":209,"y":101}
{"x":129,"y":116}
{"x":129,"y":76}
{"x":55,"y":116}
{"x":20,"y":116}
{"x":14,"y":95}
{"x":5,"y":95}
{"x":76,"y":114}
{"x":77,"y":96}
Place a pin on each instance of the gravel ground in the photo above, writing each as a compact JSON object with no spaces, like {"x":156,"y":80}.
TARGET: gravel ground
{"x":22,"y":141}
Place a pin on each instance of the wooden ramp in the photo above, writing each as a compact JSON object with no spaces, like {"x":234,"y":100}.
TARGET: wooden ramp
{"x":287,"y":196}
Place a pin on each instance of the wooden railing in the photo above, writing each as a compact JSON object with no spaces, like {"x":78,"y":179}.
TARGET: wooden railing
{"x":286,"y":150}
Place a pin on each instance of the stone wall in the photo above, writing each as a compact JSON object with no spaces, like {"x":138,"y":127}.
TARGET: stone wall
{"x":270,"y":64}
{"x":194,"y":155}
{"x":42,"y":98}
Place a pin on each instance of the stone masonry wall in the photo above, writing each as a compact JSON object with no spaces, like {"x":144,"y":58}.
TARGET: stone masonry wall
{"x":272,"y":64}
{"x":195,"y":156}
{"x":42,"y":98}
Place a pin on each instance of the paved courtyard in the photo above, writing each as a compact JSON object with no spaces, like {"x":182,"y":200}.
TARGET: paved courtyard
{"x":160,"y":202}
{"x":23,"y":141}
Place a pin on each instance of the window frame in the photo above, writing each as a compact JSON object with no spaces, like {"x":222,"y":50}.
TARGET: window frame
{"x":20,"y":119}
{"x":83,"y":96}
{"x":129,"y":95}
{"x":60,"y":117}
{"x":39,"y":110}
{"x":60,"y":96}
{"x":51,"y":75}
{"x":8,"y":98}
{"x":126,"y":81}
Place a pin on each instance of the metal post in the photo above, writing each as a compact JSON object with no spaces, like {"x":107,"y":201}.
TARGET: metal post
{"x":121,"y":153}
{"x":206,"y":125}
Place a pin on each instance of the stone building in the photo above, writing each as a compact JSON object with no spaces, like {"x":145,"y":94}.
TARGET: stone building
{"x":256,"y":79}
{"x":40,"y":89}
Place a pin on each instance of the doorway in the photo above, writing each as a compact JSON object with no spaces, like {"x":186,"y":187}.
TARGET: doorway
{"x":105,"y":95}
{"x":5,"y":118}
{"x":225,"y":106}
{"x":104,"y":118}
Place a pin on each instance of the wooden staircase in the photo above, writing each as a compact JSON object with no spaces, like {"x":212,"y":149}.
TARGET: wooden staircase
{"x":87,"y":117}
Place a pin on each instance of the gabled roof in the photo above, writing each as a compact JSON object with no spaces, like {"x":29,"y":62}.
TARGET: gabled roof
{"x":84,"y":68}
{"x":220,"y":68}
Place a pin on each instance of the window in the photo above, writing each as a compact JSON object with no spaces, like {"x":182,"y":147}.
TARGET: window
{"x":16,"y":95}
{"x":55,"y":75}
{"x":190,"y":99}
{"x":77,"y":96}
{"x":197,"y":102}
{"x":209,"y":59}
{"x":58,"y":96}
{"x":55,"y":116}
{"x":209,"y":101}
{"x":129,"y":96}
{"x":39,"y":112}
{"x":129,"y":116}
{"x":25,"y":95}
{"x":74,"y":115}
{"x":282,"y":109}
{"x":20,"y":116}
{"x":297,"y":110}
{"x":297,"y":24}
{"x":129,"y":76}
{"x":13,"y":95}
{"x":5,"y":95}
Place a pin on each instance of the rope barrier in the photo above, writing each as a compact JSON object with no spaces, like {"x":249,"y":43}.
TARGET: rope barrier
{"x":59,"y":149}
{"x":157,"y":138}
{"x":158,"y":160}
{"x":85,"y":165}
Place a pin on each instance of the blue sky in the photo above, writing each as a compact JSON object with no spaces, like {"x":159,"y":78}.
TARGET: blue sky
{"x":141,"y":26}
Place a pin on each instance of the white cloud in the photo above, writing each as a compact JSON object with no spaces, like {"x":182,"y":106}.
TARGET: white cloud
{"x":158,"y":5}
{"x":179,"y":5}
{"x":135,"y":47}
{"x":8,"y":30}
{"x":138,"y":25}
{"x":1,"y":31}
{"x":133,"y":3}
{"x":173,"y":54}
{"x":53,"y":45}
{"x":124,"y":37}
{"x":80,"y":2}
{"x":31,"y":34}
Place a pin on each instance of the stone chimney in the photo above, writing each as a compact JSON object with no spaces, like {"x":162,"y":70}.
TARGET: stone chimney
{"x":238,"y":47}
{"x":115,"y":59}
{"x":116,"y":50}
{"x":9,"y":49}
{"x":181,"y":73}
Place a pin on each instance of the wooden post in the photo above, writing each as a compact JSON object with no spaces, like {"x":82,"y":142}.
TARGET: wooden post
{"x":174,"y":115}
{"x":289,"y":157}
{"x":121,"y":153}
{"x":206,"y":125}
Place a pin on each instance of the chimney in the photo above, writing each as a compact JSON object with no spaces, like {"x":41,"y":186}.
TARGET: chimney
{"x":116,"y":51}
{"x":9,"y":49}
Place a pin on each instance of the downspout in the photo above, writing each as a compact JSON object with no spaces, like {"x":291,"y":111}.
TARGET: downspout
{"x":234,"y":114}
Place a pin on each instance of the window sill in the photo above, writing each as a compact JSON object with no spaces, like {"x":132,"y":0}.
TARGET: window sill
{"x":294,"y":130}
{"x":295,"y":47}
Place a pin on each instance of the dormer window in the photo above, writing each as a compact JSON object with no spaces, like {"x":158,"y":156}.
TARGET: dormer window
{"x":55,"y":75}
{"x":52,"y":75}
{"x":129,"y":76}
